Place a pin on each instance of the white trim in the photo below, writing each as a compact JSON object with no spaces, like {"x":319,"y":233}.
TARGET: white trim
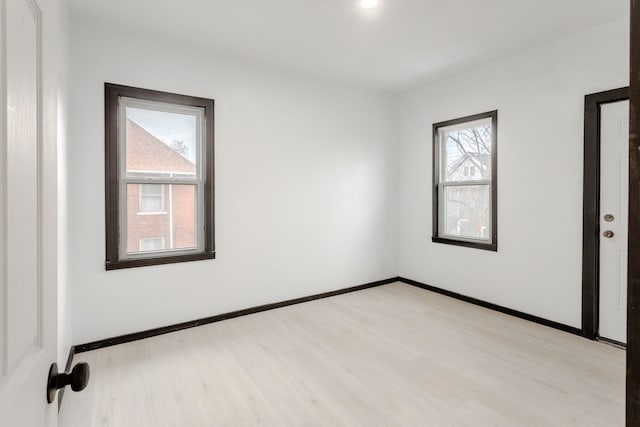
{"x":151,"y":213}
{"x":154,"y":180}
{"x":479,"y":182}
{"x":465,"y":125}
{"x":122,"y":185}
{"x":3,"y":192}
{"x":163,"y":175}
{"x":39,"y":166}
{"x":163,"y":107}
{"x":170,"y":190}
{"x":162,"y":253}
{"x":464,"y":238}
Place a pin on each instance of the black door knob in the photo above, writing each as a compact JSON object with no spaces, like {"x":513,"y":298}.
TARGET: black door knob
{"x":78,"y":379}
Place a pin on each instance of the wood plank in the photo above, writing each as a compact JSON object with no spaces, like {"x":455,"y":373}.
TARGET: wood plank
{"x":394,"y":355}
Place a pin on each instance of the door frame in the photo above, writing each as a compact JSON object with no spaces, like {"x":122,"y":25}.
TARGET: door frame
{"x":591,"y":208}
{"x":633,"y":269}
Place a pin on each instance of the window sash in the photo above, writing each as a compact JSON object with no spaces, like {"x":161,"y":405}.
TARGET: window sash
{"x":443,"y":210}
{"x":442,"y":137}
{"x":173,"y":177}
{"x":442,"y":132}
{"x":466,"y":183}
{"x":200,"y":223}
{"x":124,"y":102}
{"x":165,"y":181}
{"x":198,"y":181}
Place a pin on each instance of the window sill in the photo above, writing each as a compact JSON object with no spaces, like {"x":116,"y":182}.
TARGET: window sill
{"x":475,"y":245}
{"x":145,"y":262}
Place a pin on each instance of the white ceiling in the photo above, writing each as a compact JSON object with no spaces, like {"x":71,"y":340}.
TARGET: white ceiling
{"x":400,"y":43}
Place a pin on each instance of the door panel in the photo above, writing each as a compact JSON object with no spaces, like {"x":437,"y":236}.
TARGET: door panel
{"x":22,"y":174}
{"x":614,"y":190}
{"x":25,"y":357}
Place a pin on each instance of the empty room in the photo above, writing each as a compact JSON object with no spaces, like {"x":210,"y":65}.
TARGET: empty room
{"x":319,"y":213}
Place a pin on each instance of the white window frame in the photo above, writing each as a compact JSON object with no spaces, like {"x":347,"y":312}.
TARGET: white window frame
{"x":167,"y":179}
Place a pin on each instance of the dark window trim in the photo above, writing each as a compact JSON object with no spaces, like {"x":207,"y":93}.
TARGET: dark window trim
{"x":112,"y":200}
{"x":591,"y":207}
{"x":435,"y":237}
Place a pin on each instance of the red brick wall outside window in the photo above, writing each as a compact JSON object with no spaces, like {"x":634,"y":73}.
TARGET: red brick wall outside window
{"x":176,"y":221}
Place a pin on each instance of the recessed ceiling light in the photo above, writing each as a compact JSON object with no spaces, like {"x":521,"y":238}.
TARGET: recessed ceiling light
{"x":368,"y":4}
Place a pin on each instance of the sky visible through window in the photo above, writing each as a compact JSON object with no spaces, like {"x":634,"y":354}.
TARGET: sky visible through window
{"x":468,"y":147}
{"x":168,"y":127}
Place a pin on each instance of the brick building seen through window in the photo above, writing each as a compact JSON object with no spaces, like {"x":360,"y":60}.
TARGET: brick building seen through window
{"x":159,"y":216}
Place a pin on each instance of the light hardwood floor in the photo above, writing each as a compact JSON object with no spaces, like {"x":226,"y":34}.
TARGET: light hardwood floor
{"x":394,"y":355}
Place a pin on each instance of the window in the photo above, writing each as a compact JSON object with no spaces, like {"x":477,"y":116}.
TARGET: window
{"x":151,"y":198}
{"x":464,"y":181}
{"x":148,"y":244}
{"x":159,"y":177}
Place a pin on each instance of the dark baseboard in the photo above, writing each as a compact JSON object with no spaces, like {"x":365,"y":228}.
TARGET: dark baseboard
{"x":81,"y":348}
{"x":505,"y":310}
{"x":67,"y":368}
{"x":614,"y":343}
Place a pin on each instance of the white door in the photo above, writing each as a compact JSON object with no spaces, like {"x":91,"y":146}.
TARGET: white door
{"x":28,"y":315}
{"x":614,"y":195}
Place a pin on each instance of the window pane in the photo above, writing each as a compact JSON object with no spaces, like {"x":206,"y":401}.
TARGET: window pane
{"x":151,"y":244}
{"x":467,"y":211}
{"x":161,"y":143}
{"x":151,"y":189}
{"x":467,"y":151}
{"x":175,"y":223}
{"x":151,"y":198}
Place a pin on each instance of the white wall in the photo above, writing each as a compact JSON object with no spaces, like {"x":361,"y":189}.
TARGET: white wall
{"x":305,"y":186}
{"x":540,"y":97}
{"x":316,"y":184}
